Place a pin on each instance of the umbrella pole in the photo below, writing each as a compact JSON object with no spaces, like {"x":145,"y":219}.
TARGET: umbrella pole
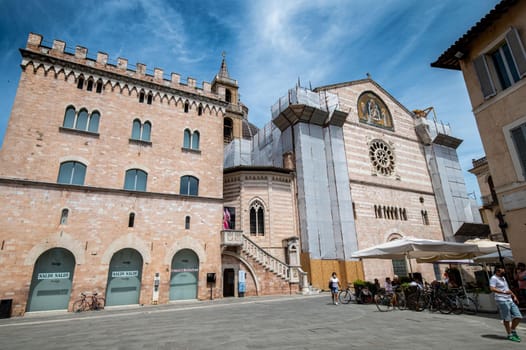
{"x":501,"y":259}
{"x":409,"y":262}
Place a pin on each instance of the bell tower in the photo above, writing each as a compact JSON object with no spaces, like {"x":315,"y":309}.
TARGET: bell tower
{"x":228,"y":89}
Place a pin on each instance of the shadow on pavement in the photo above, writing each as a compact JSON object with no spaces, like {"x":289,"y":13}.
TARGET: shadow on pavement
{"x":494,"y":336}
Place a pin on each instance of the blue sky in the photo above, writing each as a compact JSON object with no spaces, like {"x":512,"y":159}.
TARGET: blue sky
{"x":269,"y":45}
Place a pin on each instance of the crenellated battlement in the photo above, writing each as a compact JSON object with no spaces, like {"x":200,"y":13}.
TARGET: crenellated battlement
{"x":121,"y":67}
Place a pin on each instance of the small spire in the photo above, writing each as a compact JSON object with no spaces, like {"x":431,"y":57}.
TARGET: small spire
{"x":223,"y":71}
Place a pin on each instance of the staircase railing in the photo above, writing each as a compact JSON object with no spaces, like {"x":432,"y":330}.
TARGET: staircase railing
{"x":273,"y":264}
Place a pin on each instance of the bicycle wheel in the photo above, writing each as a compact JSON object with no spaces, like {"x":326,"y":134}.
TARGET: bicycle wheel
{"x":415,"y":302}
{"x":365,"y":296}
{"x":345,"y":296}
{"x":457,"y":305}
{"x":79,"y":305}
{"x":101,"y":302}
{"x":444,"y":305}
{"x":401,"y":302}
{"x":99,"y":305}
{"x":469,"y":305}
{"x":384,"y":302}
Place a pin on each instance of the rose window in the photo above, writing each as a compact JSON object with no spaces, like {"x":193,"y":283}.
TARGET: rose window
{"x":382,"y":157}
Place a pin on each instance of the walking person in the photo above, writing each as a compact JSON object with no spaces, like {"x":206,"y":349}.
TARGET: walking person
{"x":334,"y":285}
{"x":506,"y":303}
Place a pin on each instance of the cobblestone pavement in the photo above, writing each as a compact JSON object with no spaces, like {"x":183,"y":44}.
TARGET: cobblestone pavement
{"x":290,"y":322}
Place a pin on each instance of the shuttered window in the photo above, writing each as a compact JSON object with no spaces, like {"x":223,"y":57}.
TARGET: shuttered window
{"x":518,"y":135}
{"x":488,"y":89}
{"x":517,"y":50}
{"x":508,"y":65}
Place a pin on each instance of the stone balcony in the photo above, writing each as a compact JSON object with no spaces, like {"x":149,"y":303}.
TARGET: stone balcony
{"x":232,"y":238}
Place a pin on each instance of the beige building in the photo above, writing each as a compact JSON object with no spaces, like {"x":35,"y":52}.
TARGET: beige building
{"x":111,"y":181}
{"x":492,"y":58}
{"x":490,"y":210}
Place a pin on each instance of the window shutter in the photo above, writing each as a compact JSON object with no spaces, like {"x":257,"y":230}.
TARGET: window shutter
{"x":517,"y":50}
{"x":486,"y":84}
{"x":519,"y":139}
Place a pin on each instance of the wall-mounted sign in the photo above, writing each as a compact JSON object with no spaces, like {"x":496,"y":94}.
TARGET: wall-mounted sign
{"x":124,"y":274}
{"x":187,"y":269}
{"x":53,"y":275}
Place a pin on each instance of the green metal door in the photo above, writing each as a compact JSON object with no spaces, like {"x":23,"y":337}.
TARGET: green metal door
{"x":51,"y":282}
{"x":124,"y":278}
{"x":183,"y":278}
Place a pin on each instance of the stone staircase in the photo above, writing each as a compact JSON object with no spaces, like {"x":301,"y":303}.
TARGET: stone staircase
{"x":248,"y":248}
{"x":269,"y":262}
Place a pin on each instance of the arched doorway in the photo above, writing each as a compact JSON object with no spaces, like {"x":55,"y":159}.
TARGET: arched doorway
{"x":184,"y":275}
{"x":51,"y":282}
{"x":124,"y":278}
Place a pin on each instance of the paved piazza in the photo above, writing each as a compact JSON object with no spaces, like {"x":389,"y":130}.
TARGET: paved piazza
{"x":292,"y":322}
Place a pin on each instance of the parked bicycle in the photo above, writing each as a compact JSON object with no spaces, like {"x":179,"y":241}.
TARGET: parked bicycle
{"x":387,"y":301}
{"x":88,"y":302}
{"x":432,"y":298}
{"x":462,"y":302}
{"x":345,"y":296}
{"x":362,"y":296}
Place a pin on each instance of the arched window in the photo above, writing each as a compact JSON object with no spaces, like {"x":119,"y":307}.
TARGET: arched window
{"x":187,"y":222}
{"x":80,"y":82}
{"x":71,"y":173}
{"x":89,"y":87}
{"x":93,"y":125}
{"x":99,"y":86}
{"x":146,"y":130}
{"x":425,"y":218}
{"x":141,"y":132}
{"x":195,"y":140}
{"x":191,"y":140}
{"x":200,"y":110}
{"x":64,"y":216}
{"x":82,"y":120}
{"x":257,"y":219}
{"x":187,"y":138}
{"x":69,"y":117}
{"x":136,"y":130}
{"x":227,"y":129}
{"x":135,"y":180}
{"x":186,"y":107}
{"x":141,"y":97}
{"x":189,"y":186}
{"x":149,"y":99}
{"x":228,"y":96}
{"x":131,"y":220}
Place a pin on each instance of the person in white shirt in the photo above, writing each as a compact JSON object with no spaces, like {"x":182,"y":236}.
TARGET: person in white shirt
{"x":506,"y":303}
{"x":334,"y":284}
{"x":388,"y":286}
